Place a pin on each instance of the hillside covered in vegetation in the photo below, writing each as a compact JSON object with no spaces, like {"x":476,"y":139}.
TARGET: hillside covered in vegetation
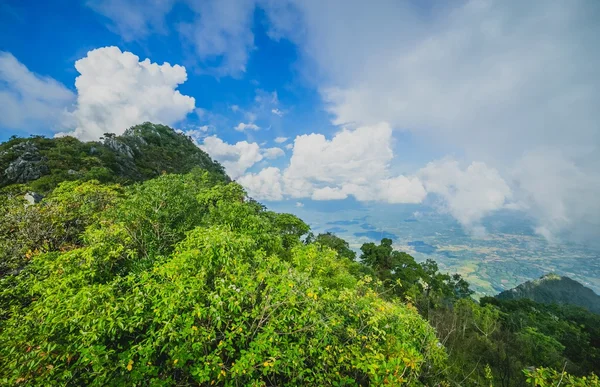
{"x":143,"y":264}
{"x":554,"y":289}
{"x":142,"y":152}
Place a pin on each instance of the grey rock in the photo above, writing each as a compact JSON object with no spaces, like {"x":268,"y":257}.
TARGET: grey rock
{"x":72,"y":172}
{"x":29,"y":165}
{"x":118,"y":147}
{"x":33,"y":197}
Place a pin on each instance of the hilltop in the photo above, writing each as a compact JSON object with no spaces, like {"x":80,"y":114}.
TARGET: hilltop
{"x":142,"y":152}
{"x":554,"y":289}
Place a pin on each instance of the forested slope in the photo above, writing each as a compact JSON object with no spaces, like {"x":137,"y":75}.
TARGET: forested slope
{"x":554,"y":289}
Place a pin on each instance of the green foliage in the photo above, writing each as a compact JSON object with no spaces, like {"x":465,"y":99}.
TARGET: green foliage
{"x":340,"y":246}
{"x":181,"y":280}
{"x":544,"y":377}
{"x":51,"y":225}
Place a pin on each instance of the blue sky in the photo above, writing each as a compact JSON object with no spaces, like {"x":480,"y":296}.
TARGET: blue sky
{"x":468,"y":107}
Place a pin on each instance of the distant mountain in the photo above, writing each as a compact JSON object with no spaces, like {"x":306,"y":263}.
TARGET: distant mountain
{"x":554,"y":289}
{"x":142,"y":152}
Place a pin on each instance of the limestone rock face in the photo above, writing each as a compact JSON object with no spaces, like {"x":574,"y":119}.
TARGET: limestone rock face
{"x":28,"y":166}
{"x":118,"y":147}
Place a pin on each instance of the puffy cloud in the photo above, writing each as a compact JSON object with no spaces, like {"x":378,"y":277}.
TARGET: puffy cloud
{"x":401,"y":189}
{"x":328,"y":193}
{"x":354,"y":162}
{"x":273,"y":153}
{"x":28,"y":100}
{"x":289,"y":146}
{"x":116,"y":91}
{"x":242,"y":126}
{"x":469,"y":194}
{"x":236,"y":158}
{"x":277,"y":112}
{"x":352,"y":156}
{"x":280,"y":140}
{"x":265,"y":185}
{"x":299,"y":204}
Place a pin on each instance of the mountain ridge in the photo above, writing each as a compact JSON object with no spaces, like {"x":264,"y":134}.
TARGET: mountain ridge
{"x":140,"y":153}
{"x":554,"y":289}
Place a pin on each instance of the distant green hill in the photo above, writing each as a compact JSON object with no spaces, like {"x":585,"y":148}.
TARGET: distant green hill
{"x":142,"y":152}
{"x":554,"y":289}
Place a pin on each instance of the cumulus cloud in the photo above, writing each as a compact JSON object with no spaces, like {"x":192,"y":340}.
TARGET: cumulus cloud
{"x":265,"y":185}
{"x":467,"y":194}
{"x":280,"y":140}
{"x":115,"y":91}
{"x":289,"y":146}
{"x":353,"y":162}
{"x":277,"y":112}
{"x":236,"y":158}
{"x":28,"y":100}
{"x":351,"y":156}
{"x":328,"y":193}
{"x":273,"y":153}
{"x":242,"y":126}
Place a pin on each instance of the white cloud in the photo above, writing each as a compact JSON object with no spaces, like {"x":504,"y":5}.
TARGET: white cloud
{"x":354,"y":162}
{"x":273,"y":153}
{"x":222,"y":32}
{"x":280,"y":140}
{"x":133,"y":19}
{"x":116,"y":91}
{"x":299,"y":204}
{"x":289,"y":146}
{"x":30,"y":101}
{"x":493,"y":79}
{"x":328,"y":193}
{"x":277,"y":112}
{"x":234,"y":108}
{"x":469,"y":194}
{"x":265,"y":185}
{"x":351,"y":156}
{"x":401,"y":189}
{"x":236,"y":158}
{"x":242,"y":126}
{"x":564,"y":199}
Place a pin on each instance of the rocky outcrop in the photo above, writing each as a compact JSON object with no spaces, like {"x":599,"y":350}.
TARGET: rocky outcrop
{"x":119,"y":147}
{"x":28,"y":166}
